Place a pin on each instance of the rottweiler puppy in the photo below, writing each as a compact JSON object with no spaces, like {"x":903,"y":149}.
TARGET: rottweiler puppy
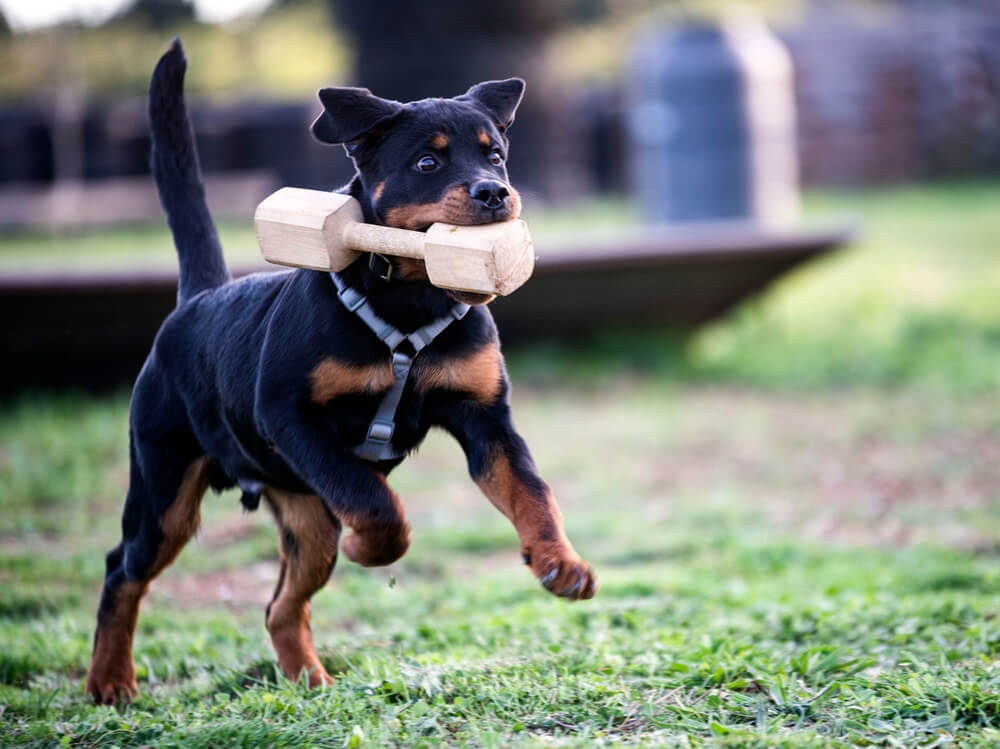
{"x":271,"y":382}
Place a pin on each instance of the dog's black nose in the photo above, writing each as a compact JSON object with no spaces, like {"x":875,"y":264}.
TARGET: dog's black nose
{"x":489,"y":192}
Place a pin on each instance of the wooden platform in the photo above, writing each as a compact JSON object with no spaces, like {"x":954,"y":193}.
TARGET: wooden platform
{"x":93,"y":331}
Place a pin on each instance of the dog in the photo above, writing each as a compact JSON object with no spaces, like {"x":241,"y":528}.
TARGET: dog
{"x":270,"y":382}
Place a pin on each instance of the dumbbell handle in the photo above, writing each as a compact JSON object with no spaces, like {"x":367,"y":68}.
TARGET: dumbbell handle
{"x":384,"y":240}
{"x":323,"y":230}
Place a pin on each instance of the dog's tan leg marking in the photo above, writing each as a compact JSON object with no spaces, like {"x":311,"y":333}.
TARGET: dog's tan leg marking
{"x":308,"y":542}
{"x":111,"y":676}
{"x":538,"y":522}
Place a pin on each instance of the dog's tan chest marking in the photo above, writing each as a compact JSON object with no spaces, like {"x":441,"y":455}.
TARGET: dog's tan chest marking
{"x":478,"y":373}
{"x":331,"y":378}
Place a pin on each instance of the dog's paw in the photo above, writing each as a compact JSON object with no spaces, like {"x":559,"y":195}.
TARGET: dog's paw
{"x":378,"y":547}
{"x":318,"y":677}
{"x":564,"y":574}
{"x":112,"y":690}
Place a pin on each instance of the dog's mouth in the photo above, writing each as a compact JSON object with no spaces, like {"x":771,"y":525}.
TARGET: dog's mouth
{"x":495,"y":216}
{"x":471,"y":298}
{"x":456,"y":207}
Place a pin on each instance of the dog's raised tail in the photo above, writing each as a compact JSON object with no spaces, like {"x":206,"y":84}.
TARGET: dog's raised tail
{"x":174,"y":160}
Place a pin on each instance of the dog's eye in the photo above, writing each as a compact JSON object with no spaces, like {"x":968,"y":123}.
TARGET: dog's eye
{"x":427,"y":163}
{"x":495,"y":157}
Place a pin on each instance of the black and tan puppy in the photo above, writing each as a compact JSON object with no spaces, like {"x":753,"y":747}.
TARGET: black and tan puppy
{"x":270,"y":381}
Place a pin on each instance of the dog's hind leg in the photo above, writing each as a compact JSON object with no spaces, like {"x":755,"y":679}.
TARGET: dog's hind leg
{"x":153,"y":535}
{"x":168,"y":478}
{"x":308,"y":536}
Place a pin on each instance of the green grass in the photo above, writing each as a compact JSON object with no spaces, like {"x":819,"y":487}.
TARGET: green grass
{"x":913,"y":301}
{"x":794,"y":550}
{"x":800,"y":570}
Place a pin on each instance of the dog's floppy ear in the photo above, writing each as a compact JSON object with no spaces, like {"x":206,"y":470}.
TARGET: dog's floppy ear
{"x":349,"y":113}
{"x":498,"y":98}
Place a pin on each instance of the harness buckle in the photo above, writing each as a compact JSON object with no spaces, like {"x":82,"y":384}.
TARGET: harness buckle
{"x":401,"y":363}
{"x":387,"y":274}
{"x":381,"y":431}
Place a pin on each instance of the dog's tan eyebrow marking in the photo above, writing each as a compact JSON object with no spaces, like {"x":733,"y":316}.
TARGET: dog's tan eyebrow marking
{"x":484,"y":138}
{"x":379,"y":189}
{"x":440,"y":141}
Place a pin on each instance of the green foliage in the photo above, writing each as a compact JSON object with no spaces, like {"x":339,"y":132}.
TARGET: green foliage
{"x":293,"y":51}
{"x":910,"y":303}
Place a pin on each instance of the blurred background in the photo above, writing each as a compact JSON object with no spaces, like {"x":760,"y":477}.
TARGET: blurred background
{"x":730,"y":129}
{"x":883,"y":91}
{"x":766,"y":301}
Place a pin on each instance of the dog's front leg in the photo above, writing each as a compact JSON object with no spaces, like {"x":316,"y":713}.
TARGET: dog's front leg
{"x":501,"y":465}
{"x":354,"y":491}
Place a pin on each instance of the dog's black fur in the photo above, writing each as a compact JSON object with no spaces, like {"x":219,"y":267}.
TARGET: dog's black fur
{"x":269,"y":380}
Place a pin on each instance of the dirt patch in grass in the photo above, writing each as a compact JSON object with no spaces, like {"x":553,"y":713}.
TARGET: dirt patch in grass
{"x":864,"y":467}
{"x":238,"y":587}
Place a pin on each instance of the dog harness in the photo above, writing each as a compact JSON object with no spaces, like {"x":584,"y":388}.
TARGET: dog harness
{"x":378,"y":444}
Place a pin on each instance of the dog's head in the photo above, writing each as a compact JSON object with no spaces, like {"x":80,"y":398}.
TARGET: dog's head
{"x":427,"y":161}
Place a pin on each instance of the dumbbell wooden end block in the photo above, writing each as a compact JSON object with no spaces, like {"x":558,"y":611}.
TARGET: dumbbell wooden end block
{"x":304,"y":228}
{"x":324,"y":231}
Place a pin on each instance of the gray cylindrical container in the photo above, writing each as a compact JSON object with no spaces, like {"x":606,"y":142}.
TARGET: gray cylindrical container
{"x":711,"y":123}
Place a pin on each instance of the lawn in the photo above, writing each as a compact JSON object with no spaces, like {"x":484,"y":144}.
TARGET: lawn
{"x":795,"y":518}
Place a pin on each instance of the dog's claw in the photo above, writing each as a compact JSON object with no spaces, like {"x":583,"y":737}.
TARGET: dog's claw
{"x":549,"y":578}
{"x":577,"y":586}
{"x":568,"y":577}
{"x":114,"y":694}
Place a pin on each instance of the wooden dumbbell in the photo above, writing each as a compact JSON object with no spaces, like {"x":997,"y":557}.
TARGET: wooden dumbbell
{"x":324,"y":231}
